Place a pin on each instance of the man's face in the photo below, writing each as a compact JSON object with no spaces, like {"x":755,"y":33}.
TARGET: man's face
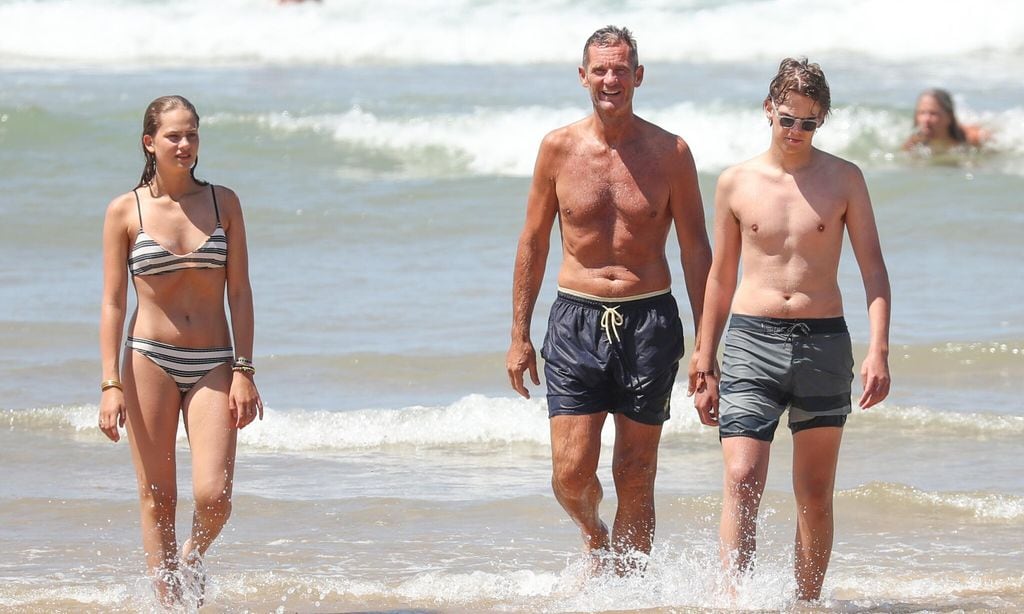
{"x":611,"y":78}
{"x":799,"y":111}
{"x":931,"y":119}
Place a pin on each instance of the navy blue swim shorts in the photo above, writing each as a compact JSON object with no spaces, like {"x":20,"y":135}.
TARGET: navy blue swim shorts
{"x":614,"y":355}
{"x":771,"y":364}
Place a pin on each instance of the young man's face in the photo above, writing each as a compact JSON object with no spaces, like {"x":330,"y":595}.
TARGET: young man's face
{"x":794,"y":121}
{"x":611,"y":78}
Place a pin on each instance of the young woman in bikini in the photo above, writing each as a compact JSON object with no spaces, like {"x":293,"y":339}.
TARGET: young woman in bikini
{"x":181,"y":355}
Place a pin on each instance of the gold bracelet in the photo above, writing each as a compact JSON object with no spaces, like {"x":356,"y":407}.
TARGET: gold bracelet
{"x":110,"y":383}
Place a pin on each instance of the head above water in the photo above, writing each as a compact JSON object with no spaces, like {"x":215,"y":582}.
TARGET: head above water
{"x":609,"y":36}
{"x":150,"y":126}
{"x":944,"y":100}
{"x":802,"y":77}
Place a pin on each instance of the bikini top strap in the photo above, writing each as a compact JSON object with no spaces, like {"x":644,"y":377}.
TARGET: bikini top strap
{"x":216,"y":211}
{"x":138,"y":206}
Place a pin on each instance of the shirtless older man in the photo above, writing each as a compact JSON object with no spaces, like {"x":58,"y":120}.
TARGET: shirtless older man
{"x":785,"y":212}
{"x":616,"y":183}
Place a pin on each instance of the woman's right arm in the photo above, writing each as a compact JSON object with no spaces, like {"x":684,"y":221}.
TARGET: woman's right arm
{"x":112,"y":313}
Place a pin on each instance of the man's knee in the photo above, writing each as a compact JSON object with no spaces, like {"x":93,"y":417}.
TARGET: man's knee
{"x":635,"y":472}
{"x":571,"y":480}
{"x":744,"y":478}
{"x":814,"y":501}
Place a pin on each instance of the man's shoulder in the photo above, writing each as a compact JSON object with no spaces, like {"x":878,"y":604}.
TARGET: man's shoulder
{"x":656,"y":136}
{"x":565,"y":136}
{"x":746,"y":170}
{"x":833,"y":165}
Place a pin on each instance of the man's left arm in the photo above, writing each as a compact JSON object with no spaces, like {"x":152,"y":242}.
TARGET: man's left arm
{"x":860,"y":223}
{"x":691,"y":232}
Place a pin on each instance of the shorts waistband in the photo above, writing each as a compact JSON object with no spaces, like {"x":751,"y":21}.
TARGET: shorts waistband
{"x":600,"y":301}
{"x":789,"y":326}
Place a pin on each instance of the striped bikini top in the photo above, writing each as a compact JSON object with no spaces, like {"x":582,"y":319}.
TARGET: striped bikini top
{"x":150,"y":258}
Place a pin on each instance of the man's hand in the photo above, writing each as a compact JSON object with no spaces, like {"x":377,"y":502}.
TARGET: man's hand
{"x":521,"y":357}
{"x":874,"y":376}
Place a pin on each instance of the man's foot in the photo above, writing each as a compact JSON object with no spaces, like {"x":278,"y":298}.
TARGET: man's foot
{"x":598,"y":552}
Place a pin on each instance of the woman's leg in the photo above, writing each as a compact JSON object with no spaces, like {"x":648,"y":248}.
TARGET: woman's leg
{"x":212,"y":436}
{"x":152,"y":401}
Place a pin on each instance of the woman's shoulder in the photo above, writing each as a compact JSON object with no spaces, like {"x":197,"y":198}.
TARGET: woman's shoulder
{"x":122,"y":204}
{"x":975,"y":135}
{"x":225,"y":196}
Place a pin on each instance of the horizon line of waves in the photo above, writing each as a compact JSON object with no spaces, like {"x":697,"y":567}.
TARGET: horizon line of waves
{"x":503,"y":142}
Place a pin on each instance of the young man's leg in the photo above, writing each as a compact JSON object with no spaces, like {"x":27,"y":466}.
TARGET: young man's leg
{"x":815,"y":455}
{"x":745,"y":472}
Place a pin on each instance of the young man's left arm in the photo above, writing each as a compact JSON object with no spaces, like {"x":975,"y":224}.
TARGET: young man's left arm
{"x":860,"y":223}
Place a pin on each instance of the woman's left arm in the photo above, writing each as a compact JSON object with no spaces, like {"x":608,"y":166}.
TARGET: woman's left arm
{"x":243,"y":399}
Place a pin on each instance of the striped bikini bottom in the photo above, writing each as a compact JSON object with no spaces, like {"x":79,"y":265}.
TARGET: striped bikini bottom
{"x":185,"y":366}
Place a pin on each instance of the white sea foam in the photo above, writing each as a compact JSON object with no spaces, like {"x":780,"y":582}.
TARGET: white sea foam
{"x":481,"y":420}
{"x":505,"y":142}
{"x":189,"y":32}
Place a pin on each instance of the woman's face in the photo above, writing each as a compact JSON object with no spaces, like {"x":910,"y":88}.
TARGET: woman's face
{"x":930,"y":119}
{"x":176,"y":142}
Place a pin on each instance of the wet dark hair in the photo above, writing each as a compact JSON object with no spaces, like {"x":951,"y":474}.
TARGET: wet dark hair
{"x":151,"y":123}
{"x":802,"y":77}
{"x":609,"y":36}
{"x":945,"y":101}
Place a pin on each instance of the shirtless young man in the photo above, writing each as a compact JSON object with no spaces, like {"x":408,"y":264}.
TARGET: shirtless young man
{"x":785,"y":212}
{"x":616,"y":183}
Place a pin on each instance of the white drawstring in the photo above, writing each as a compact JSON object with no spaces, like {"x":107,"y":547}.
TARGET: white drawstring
{"x":611,"y":320}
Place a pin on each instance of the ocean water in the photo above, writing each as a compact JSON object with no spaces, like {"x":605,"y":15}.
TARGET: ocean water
{"x":382,"y":152}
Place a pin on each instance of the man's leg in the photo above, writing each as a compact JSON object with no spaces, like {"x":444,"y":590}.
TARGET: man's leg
{"x":815,"y":455}
{"x":634,"y":467}
{"x":746,"y":468}
{"x":575,"y":450}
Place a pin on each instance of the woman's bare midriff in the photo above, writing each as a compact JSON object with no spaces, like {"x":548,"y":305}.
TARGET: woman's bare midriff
{"x":184,"y":308}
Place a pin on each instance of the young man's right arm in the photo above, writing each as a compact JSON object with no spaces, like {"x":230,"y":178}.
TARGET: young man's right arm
{"x":531,"y":259}
{"x":718,"y":295}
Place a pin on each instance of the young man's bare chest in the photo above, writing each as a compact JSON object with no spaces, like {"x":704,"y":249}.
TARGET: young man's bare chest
{"x":788,"y":211}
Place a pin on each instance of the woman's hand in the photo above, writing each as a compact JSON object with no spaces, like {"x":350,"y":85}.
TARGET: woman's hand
{"x":112,"y":412}
{"x":244,"y":400}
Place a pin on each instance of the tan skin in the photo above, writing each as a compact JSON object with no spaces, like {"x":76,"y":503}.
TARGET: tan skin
{"x":616,"y":183}
{"x":782,"y":217}
{"x":186,"y":309}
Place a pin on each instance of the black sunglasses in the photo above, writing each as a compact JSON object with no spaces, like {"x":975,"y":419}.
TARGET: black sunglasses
{"x":787,"y":121}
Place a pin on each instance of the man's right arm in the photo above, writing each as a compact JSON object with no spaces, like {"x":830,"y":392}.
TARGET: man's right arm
{"x":718,"y":294}
{"x":531,"y":259}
